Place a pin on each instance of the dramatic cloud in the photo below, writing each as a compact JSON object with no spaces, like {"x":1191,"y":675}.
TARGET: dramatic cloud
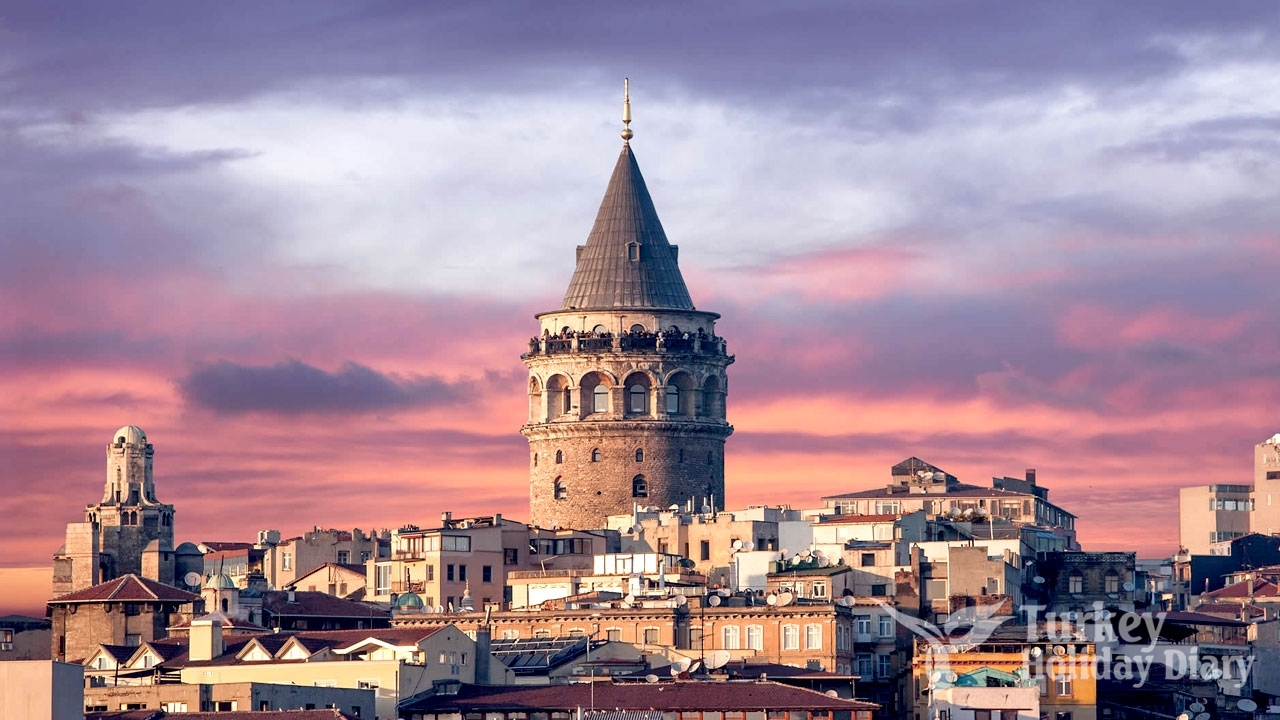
{"x":293,"y":387}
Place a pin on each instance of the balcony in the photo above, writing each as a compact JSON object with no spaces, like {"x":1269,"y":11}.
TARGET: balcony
{"x":401,"y":587}
{"x":691,"y":345}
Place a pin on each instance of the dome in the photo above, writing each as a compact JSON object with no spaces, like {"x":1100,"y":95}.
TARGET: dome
{"x":188,"y":548}
{"x":221,"y":581}
{"x":409,"y":600}
{"x":130,"y":435}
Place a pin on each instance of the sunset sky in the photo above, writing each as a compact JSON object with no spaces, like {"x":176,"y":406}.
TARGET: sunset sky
{"x":302,"y":245}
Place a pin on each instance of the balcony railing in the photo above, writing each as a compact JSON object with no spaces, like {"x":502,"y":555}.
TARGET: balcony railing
{"x":697,"y":345}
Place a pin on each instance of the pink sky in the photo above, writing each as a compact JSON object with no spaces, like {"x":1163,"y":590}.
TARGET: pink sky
{"x":307,"y":264}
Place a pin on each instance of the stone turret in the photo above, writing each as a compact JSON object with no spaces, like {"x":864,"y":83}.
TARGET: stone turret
{"x":627,"y":380}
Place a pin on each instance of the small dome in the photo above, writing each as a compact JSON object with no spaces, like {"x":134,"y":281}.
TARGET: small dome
{"x":221,"y":581}
{"x":129,"y":435}
{"x":409,"y":600}
{"x":188,"y":548}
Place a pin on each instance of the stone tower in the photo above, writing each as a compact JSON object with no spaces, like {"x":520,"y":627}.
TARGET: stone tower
{"x":127,"y":531}
{"x":627,"y":379}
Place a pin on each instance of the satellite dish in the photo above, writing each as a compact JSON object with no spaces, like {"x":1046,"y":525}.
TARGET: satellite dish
{"x":831,"y":693}
{"x":952,"y":676}
{"x":1247,"y":705}
{"x":1036,"y":652}
{"x":676,"y":671}
{"x":439,"y":608}
{"x":1196,"y":707}
{"x":674,"y":508}
{"x":681,"y":601}
{"x":629,"y":599}
{"x":651,"y":678}
{"x":749,"y":546}
{"x":737,"y":544}
{"x":806,"y":553}
{"x":771,"y":600}
{"x":819,"y":553}
{"x":1202,"y":716}
{"x":936,"y":675}
{"x":714,"y":601}
{"x":1213,"y":674}
{"x":1059,"y":650}
{"x":192,"y":579}
{"x":824,"y":562}
{"x":1184,"y":716}
{"x":785,"y":598}
{"x":784,"y":552}
{"x":681,"y":665}
{"x":1128,"y":587}
{"x":718,"y":659}
{"x":636,"y":529}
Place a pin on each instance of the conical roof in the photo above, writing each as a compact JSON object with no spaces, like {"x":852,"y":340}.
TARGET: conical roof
{"x":627,"y":261}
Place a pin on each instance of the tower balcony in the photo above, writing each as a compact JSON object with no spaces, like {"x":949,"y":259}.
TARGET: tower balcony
{"x":688,"y":344}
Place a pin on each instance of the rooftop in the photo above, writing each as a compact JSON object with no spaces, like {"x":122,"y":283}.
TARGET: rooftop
{"x":129,"y":588}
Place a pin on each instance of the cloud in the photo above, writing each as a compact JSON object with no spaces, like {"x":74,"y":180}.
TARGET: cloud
{"x":292,"y":387}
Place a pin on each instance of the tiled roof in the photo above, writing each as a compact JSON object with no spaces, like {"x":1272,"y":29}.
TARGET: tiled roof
{"x":1261,"y":589}
{"x":216,"y":546}
{"x":317,"y":604}
{"x":326,"y":714}
{"x":129,"y":588}
{"x":606,"y":276}
{"x":120,"y":653}
{"x":669,"y":696}
{"x":317,"y":640}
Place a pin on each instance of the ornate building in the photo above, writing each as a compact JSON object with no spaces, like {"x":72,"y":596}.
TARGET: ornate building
{"x":627,"y":379}
{"x":128,"y":531}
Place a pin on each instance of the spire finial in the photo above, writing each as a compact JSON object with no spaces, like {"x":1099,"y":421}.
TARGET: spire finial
{"x":626,"y":111}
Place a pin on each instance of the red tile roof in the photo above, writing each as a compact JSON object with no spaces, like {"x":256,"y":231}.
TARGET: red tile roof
{"x":317,"y":604}
{"x":129,"y":588}
{"x":1261,"y":589}
{"x":667,"y":696}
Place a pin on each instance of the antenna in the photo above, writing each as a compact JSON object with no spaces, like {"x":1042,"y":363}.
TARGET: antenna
{"x":626,"y":111}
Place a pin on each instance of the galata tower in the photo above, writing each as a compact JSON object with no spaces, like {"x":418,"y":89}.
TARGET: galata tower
{"x":627,"y":380}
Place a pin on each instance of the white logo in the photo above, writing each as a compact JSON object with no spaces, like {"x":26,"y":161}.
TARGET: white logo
{"x":964,"y":629}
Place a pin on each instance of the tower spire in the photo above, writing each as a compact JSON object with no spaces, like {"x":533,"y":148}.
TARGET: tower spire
{"x":626,"y":111}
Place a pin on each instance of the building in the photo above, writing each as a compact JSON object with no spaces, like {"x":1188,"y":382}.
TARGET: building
{"x":1266,"y":485}
{"x":181,"y":699}
{"x":41,"y":690}
{"x":668,"y":700}
{"x":1078,"y":581}
{"x":1210,"y":514}
{"x":627,"y":379}
{"x":128,"y":531}
{"x":128,"y":611}
{"x":24,"y":638}
{"x":283,"y":562}
{"x":915,"y":486}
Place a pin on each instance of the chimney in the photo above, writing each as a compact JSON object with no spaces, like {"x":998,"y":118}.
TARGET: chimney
{"x":1031,"y":476}
{"x":497,"y":519}
{"x":205,"y":641}
{"x":446,"y":517}
{"x":484,"y":654}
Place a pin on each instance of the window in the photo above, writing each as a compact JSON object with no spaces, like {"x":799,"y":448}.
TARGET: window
{"x":866,"y":665}
{"x":613,"y":635}
{"x":868,"y":559}
{"x":639,"y":455}
{"x":600,"y":399}
{"x":448,"y":572}
{"x":130,"y":608}
{"x":884,"y":665}
{"x":486,"y":574}
{"x":559,"y":456}
{"x":1075,"y":583}
{"x":886,"y":626}
{"x":842,"y":637}
{"x":651,"y":636}
{"x":862,"y":624}
{"x":596,"y":455}
{"x":731,"y":637}
{"x":790,"y":637}
{"x":637,"y":399}
{"x":633,"y":253}
{"x":879,"y":590}
{"x":639,"y":487}
{"x":981,"y":715}
{"x":819,"y":589}
{"x":812,"y":637}
{"x":6,"y":641}
{"x":1062,"y":686}
{"x":561,"y":492}
{"x":1112,"y":582}
{"x":755,"y":637}
{"x":673,"y":400}
{"x":705,"y":548}
{"x":462,"y":573}
{"x":286,"y":561}
{"x":382,"y":579}
{"x":510,"y":634}
{"x":431,"y":573}
{"x":132,"y":640}
{"x":1008,"y":715}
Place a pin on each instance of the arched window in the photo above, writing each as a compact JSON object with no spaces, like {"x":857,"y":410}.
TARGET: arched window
{"x":639,"y":487}
{"x":226,"y":605}
{"x":673,"y":400}
{"x":600,"y":399}
{"x":559,"y":456}
{"x":637,"y":399}
{"x":1112,"y":581}
{"x":637,"y":328}
{"x":561,"y":490}
{"x":639,"y":454}
{"x":596,"y":455}
{"x":599,"y":329}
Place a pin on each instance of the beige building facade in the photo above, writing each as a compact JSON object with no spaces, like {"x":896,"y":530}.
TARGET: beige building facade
{"x":1209,"y":514}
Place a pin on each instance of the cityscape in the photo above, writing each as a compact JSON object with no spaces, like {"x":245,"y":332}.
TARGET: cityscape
{"x":941,"y":390}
